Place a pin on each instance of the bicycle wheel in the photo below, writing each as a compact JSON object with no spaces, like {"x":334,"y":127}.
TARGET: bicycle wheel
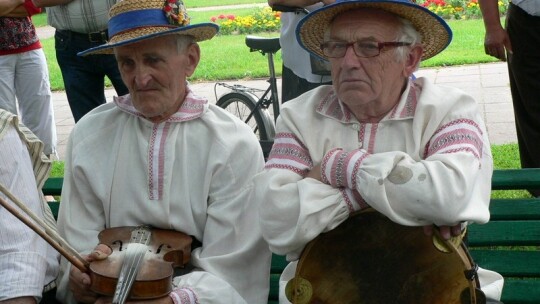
{"x":241,"y":105}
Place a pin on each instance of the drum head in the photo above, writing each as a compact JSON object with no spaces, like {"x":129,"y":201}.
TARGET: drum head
{"x":369,"y":259}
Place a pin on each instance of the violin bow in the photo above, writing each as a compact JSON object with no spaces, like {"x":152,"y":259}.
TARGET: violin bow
{"x":43,"y":230}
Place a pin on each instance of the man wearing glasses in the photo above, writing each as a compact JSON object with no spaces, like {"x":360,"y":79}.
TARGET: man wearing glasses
{"x":416,"y":152}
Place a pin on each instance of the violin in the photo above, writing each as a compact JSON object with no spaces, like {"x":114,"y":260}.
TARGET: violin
{"x":142,"y":262}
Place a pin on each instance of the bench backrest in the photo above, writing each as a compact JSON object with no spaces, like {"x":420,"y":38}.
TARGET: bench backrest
{"x":508,"y":244}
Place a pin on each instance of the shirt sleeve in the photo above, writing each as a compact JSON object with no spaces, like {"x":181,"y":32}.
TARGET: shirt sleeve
{"x":296,"y":209}
{"x":445,"y":188}
{"x":23,"y":262}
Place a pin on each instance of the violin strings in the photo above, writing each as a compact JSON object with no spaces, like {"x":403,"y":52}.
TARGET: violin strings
{"x":130,"y":268}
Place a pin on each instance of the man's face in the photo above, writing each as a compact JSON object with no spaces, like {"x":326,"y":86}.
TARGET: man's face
{"x":155,"y":74}
{"x":370,"y":87}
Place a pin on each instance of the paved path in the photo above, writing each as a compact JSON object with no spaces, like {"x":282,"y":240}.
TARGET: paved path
{"x":487,"y":83}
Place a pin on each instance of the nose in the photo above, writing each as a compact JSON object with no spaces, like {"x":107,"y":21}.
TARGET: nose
{"x":142,"y":76}
{"x":350,"y":59}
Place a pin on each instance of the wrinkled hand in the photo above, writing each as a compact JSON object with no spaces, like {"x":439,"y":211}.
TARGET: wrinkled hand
{"x":315,"y":173}
{"x":495,"y":43}
{"x":79,"y":282}
{"x":446,"y":232}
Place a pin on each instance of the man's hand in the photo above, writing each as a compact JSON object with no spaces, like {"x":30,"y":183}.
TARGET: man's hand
{"x":315,"y":173}
{"x":79,"y":282}
{"x":446,"y":232}
{"x":495,"y":43}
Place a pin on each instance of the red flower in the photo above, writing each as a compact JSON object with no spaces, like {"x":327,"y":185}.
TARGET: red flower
{"x":172,"y":1}
{"x":213,"y":19}
{"x":167,"y":9}
{"x":230,"y":17}
{"x":221,"y":16}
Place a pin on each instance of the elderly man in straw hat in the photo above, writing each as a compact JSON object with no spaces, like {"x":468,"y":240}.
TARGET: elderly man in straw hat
{"x":164,"y":157}
{"x":414,"y":151}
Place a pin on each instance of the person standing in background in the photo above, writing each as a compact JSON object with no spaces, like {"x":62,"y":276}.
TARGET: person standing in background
{"x":80,"y":25}
{"x":298,"y":75}
{"x":24,"y":77}
{"x":521,"y":39}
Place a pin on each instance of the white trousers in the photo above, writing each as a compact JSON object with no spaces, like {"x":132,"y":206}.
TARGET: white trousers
{"x":24,"y":77}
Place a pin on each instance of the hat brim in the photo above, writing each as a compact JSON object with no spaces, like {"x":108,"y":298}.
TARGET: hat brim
{"x":436,"y":34}
{"x":200,"y":32}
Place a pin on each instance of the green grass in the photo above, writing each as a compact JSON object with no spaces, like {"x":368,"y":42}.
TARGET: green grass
{"x":467,"y":46}
{"x":39,"y":20}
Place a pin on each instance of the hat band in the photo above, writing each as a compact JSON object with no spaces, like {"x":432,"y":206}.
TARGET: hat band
{"x":136,"y":19}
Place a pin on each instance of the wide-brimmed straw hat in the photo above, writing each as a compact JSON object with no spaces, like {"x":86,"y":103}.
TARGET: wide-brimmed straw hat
{"x":131,"y":21}
{"x":436,"y":34}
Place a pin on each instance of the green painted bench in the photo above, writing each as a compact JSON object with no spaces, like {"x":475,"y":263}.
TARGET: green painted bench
{"x":508,"y":244}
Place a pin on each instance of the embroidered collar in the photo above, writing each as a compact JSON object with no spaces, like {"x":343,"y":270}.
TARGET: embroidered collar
{"x":193,"y":107}
{"x":330,"y":105}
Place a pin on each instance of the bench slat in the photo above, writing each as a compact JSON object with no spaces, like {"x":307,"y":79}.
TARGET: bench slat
{"x":515,"y":209}
{"x":512,"y":179}
{"x":53,"y":186}
{"x":504,"y":233}
{"x":508,"y":262}
{"x":523,"y":292}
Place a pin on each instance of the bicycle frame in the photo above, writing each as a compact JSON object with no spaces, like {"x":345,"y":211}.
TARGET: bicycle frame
{"x":268,"y":47}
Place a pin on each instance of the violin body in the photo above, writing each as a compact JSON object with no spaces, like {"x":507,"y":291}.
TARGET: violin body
{"x":165,"y":251}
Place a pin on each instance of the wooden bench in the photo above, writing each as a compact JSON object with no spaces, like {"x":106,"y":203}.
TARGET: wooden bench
{"x":508,"y":244}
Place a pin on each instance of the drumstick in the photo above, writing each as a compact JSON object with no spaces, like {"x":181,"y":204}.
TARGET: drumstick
{"x":45,"y":231}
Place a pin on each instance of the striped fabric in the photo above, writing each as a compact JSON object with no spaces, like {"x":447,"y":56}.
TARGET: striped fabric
{"x":40,"y":162}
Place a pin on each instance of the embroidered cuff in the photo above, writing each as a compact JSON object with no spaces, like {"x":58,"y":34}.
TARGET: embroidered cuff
{"x":183,"y":295}
{"x":31,"y":9}
{"x":353,"y":199}
{"x":339,"y":168}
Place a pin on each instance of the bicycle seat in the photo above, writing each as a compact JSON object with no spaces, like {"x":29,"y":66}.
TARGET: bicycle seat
{"x":265,"y":45}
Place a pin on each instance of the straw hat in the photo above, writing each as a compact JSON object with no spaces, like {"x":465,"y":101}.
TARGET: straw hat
{"x":436,"y":35}
{"x":131,"y":21}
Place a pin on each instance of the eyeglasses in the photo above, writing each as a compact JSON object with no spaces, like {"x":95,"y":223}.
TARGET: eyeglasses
{"x":364,"y":49}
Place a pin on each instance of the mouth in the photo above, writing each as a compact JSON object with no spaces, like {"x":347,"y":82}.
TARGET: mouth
{"x":352,"y":81}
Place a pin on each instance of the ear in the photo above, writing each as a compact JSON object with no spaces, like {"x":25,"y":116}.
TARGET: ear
{"x":412,"y":61}
{"x":193,"y":55}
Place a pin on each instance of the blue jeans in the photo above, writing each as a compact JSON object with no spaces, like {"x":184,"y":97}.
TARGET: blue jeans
{"x":84,"y":77}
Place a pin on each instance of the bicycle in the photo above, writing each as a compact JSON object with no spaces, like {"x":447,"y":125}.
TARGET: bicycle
{"x":243,"y":101}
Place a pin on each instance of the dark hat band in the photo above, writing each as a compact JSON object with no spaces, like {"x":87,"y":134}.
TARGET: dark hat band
{"x":135,"y":19}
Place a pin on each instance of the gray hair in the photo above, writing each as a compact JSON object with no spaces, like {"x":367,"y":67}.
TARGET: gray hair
{"x":407,"y":33}
{"x":183,"y":41}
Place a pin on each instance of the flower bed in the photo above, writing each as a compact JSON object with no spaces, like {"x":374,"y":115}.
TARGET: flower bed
{"x":458,"y":9}
{"x":266,"y":20}
{"x":263,"y":20}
